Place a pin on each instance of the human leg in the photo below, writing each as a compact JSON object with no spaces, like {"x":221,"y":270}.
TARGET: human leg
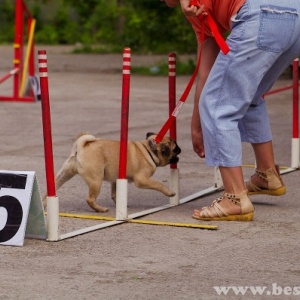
{"x":266,"y":179}
{"x":225,"y":101}
{"x":231,"y":106}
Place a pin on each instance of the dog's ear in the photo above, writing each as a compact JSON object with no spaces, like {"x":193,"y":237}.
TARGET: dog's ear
{"x":149,"y":134}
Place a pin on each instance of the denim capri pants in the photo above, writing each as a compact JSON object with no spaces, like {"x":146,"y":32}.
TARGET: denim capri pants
{"x":264,"y":40}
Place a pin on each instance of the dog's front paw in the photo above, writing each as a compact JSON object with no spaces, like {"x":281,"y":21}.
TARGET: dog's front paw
{"x":101,"y":209}
{"x":172,"y":194}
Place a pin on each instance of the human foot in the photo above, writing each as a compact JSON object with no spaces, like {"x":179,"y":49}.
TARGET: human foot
{"x":266,"y":182}
{"x":230,"y":207}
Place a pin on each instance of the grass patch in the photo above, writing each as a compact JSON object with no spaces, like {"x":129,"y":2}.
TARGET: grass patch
{"x":162,"y":69}
{"x":100,"y":49}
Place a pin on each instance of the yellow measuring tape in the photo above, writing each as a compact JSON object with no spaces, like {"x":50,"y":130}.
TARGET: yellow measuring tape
{"x":148,"y":222}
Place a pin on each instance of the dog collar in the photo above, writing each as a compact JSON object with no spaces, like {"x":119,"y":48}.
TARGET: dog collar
{"x":151,"y":153}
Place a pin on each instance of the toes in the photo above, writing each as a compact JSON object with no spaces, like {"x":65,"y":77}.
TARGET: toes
{"x":196,"y":212}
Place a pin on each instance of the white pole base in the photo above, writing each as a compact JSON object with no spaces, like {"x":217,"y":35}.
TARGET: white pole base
{"x":295,"y":156}
{"x":52,"y":218}
{"x":121,"y":199}
{"x":174,"y":186}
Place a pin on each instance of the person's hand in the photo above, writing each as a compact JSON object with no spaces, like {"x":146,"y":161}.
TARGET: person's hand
{"x":196,"y":133}
{"x":191,"y":10}
{"x":198,"y":145}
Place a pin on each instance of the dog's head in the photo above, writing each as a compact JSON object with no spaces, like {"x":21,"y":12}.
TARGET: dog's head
{"x":166,"y":151}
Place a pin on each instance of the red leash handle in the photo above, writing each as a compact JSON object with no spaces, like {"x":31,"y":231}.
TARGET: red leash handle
{"x":214,"y":29}
{"x":224,"y":48}
{"x":218,"y":37}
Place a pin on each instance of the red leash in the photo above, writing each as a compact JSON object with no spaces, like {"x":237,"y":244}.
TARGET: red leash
{"x":224,"y":48}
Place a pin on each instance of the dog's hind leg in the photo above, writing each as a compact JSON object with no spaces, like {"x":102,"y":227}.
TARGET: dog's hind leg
{"x":113,"y":191}
{"x":67,"y":171}
{"x":94,"y":190}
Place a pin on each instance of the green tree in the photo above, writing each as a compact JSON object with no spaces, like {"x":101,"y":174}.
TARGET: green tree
{"x":144,"y":26}
{"x":7,"y":14}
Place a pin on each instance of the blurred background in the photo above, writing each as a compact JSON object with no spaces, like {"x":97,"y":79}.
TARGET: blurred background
{"x":101,"y":26}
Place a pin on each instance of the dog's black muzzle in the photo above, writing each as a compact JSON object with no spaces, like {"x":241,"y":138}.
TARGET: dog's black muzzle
{"x":176,"y":152}
{"x":174,"y":160}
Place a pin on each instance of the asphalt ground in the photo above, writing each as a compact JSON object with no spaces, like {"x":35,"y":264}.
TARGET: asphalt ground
{"x":132,"y":260}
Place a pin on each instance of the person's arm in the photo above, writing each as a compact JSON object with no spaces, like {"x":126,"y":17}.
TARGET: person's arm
{"x":209,"y":54}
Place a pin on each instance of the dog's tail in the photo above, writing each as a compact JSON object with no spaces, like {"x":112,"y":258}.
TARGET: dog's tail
{"x":69,"y":168}
{"x":81,"y":141}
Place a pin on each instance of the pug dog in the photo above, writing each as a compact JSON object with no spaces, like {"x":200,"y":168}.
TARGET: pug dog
{"x":97,"y":160}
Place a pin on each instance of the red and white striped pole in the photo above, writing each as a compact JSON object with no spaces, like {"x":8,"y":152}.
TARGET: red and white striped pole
{"x":172,"y":96}
{"x":52,"y":200}
{"x":18,"y":46}
{"x":295,"y":156}
{"x":174,"y":171}
{"x":122,"y":184}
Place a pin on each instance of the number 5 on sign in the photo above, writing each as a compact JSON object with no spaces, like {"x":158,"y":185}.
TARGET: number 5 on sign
{"x":21,"y":210}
